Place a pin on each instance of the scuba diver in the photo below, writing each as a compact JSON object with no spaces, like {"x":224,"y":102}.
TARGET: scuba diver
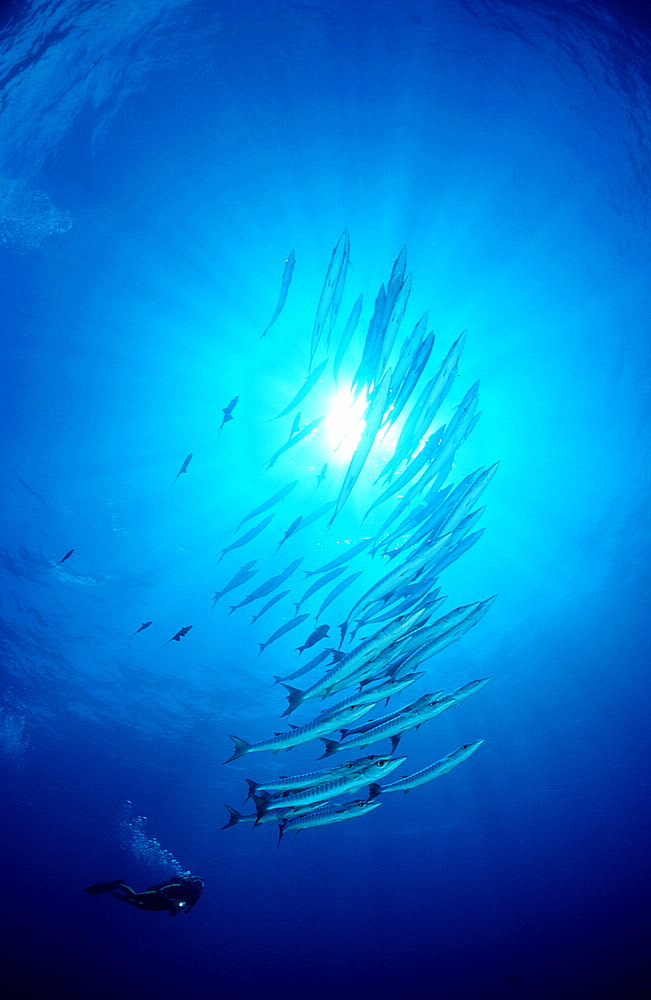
{"x":176,"y":895}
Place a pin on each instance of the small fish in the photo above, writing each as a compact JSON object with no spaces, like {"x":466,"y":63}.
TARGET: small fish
{"x":142,"y":628}
{"x":334,"y":280}
{"x":346,"y":336}
{"x":348,"y":553}
{"x":297,"y":437}
{"x":290,"y":531}
{"x":276,"y":498}
{"x":287,"y":627}
{"x":269,"y":585}
{"x":323,"y":581}
{"x":184,"y":467}
{"x":316,"y":636}
{"x":228,"y":415}
{"x":181,"y":632}
{"x":66,"y":556}
{"x":314,"y":662}
{"x":316,"y":514}
{"x":270,"y":604}
{"x":339,"y":589}
{"x":309,"y":383}
{"x":242,"y":576}
{"x":247,"y":536}
{"x":290,"y":261}
{"x":322,"y":475}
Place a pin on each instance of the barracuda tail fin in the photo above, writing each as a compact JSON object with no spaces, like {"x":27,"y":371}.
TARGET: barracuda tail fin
{"x":281,"y":830}
{"x":253,"y":786}
{"x":241,"y":747}
{"x":373,"y":791}
{"x":330,"y":747}
{"x":235,"y":817}
{"x":261,"y":804}
{"x":295,"y":698}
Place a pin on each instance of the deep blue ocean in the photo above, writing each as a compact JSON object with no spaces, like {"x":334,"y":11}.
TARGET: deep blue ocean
{"x":159,"y":161}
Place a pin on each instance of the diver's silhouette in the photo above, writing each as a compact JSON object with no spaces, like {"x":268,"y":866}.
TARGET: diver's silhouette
{"x":176,"y":895}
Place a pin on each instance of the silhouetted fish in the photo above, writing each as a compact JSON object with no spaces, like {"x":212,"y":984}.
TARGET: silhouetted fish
{"x":309,"y":383}
{"x":287,"y":627}
{"x":316,"y":636}
{"x":181,"y":632}
{"x":292,"y":441}
{"x":142,"y":628}
{"x":228,"y":412}
{"x":280,"y":495}
{"x":247,"y":536}
{"x":284,"y":288}
{"x":184,"y":467}
{"x":243,"y":575}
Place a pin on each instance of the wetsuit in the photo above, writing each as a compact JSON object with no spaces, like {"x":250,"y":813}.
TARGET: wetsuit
{"x":176,"y":895}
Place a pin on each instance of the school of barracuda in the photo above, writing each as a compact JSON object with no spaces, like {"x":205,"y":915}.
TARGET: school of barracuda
{"x":428,"y":526}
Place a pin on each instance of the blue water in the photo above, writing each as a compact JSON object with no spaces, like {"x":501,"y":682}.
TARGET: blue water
{"x":158,"y":161}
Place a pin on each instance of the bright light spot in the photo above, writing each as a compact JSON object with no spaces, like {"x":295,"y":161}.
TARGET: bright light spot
{"x":344,"y":423}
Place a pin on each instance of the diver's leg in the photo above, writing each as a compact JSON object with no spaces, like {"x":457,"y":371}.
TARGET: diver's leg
{"x":128,"y":895}
{"x":95,"y":890}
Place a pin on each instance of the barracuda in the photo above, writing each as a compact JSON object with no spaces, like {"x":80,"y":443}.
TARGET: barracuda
{"x":394,"y":729}
{"x":330,"y":789}
{"x":367,"y":651}
{"x":374,"y":695}
{"x":374,"y":723}
{"x":295,"y":782}
{"x":301,"y":734}
{"x":327,"y":814}
{"x":438,"y":643}
{"x":441,"y":766}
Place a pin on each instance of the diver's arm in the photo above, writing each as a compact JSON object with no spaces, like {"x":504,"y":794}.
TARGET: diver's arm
{"x":168,"y":899}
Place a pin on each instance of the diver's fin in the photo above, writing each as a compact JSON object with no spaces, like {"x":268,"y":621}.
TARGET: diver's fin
{"x":95,"y":890}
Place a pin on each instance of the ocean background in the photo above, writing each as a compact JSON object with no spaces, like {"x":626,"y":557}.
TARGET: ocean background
{"x":158,"y":161}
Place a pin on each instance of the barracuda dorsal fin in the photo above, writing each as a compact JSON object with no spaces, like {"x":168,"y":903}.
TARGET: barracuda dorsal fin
{"x":395,"y":740}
